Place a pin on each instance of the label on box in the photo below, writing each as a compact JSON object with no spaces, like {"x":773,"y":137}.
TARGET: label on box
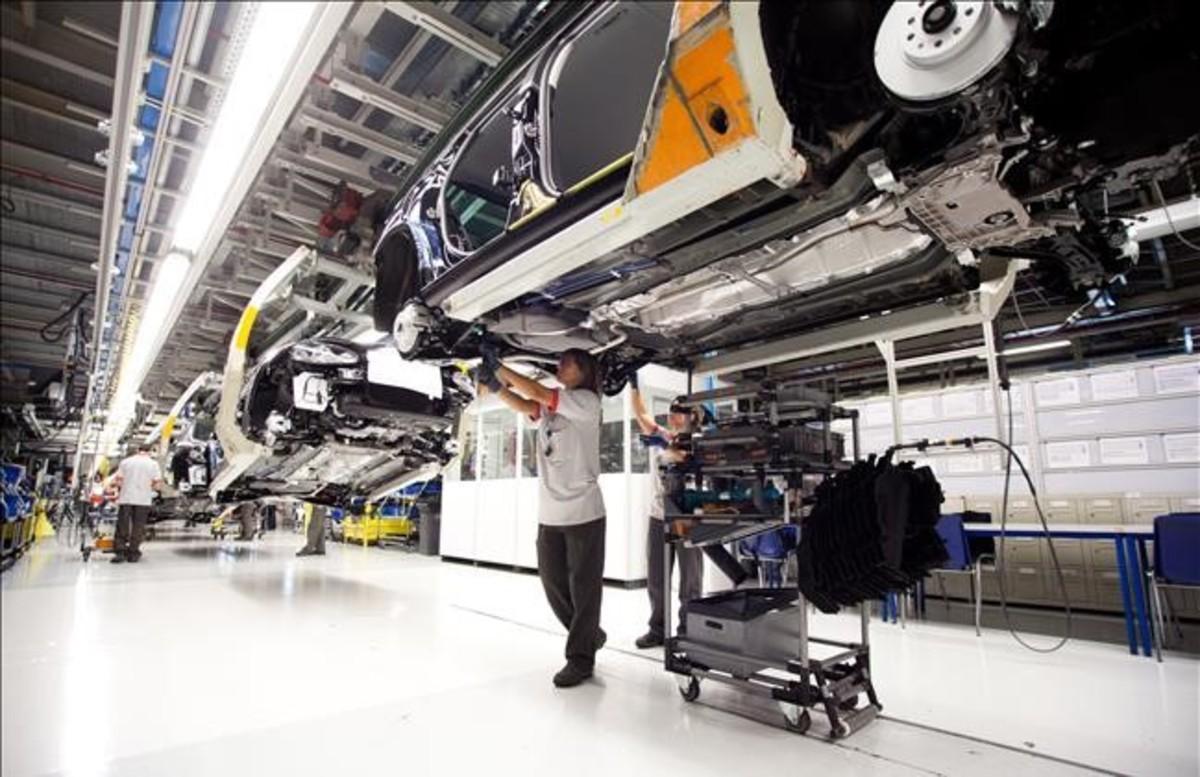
{"x":1061,"y":455}
{"x":1124,"y":450}
{"x":1182,"y":447}
{"x":1055,"y":393}
{"x":1121,"y":384}
{"x":1177,"y":378}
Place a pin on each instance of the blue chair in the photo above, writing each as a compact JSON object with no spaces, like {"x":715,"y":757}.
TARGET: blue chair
{"x":1176,"y":565}
{"x":770,"y":551}
{"x":960,"y":561}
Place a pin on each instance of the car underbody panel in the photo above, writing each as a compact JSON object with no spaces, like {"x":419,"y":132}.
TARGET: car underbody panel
{"x":917,"y":149}
{"x":678,"y":188}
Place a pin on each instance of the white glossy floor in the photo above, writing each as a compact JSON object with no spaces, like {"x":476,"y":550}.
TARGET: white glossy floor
{"x":216,"y":658}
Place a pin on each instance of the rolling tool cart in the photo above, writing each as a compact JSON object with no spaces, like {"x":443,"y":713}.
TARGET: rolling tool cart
{"x":91,"y":535}
{"x":757,"y":640}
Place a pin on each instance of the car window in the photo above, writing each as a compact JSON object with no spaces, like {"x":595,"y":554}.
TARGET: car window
{"x":601,"y":86}
{"x":477,"y":209}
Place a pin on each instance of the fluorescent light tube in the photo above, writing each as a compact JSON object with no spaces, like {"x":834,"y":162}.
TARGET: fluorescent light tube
{"x":167,"y":281}
{"x":1035,"y":347}
{"x":276,"y":31}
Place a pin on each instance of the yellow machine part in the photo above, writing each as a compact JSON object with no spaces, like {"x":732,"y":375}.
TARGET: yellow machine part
{"x":701,"y":106}
{"x":42,"y":527}
{"x":368,"y":530}
{"x":241,"y":337}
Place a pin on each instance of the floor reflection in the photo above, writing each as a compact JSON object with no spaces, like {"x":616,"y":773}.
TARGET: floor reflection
{"x":300,"y":585}
{"x":223,"y":551}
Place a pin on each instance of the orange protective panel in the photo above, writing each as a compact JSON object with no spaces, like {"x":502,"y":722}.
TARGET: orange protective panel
{"x":688,"y":14}
{"x":704,"y":111}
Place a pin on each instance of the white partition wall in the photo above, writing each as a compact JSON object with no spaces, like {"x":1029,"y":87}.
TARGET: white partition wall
{"x":1117,"y":444}
{"x":1132,"y":429}
{"x":489,"y":497}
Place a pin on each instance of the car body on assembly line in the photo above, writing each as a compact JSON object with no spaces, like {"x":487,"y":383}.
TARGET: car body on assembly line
{"x":654,"y":183}
{"x":326,"y":420}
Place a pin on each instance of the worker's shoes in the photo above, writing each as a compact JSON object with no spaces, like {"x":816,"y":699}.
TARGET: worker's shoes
{"x":601,"y":639}
{"x":117,"y":559}
{"x":134,"y":558}
{"x":309,"y":552}
{"x":649,"y":640}
{"x":571,"y":675}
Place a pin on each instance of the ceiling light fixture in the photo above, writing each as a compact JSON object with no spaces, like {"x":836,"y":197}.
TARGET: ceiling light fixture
{"x":277,"y":29}
{"x":167,"y":281}
{"x":275,"y":33}
{"x":1035,"y":347}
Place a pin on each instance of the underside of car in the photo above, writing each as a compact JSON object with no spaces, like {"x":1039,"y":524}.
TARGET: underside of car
{"x":936,"y":136}
{"x":335,"y":423}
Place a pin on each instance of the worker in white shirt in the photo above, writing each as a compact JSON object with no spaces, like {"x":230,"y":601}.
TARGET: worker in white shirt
{"x":571,"y":515}
{"x":138,"y":477}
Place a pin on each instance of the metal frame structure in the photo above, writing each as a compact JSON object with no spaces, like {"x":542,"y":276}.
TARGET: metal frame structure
{"x":798,"y":680}
{"x":349,"y":124}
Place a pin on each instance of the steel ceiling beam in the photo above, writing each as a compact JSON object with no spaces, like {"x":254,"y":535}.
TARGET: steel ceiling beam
{"x":450,"y":28}
{"x":327,"y":121}
{"x":88,"y":241}
{"x":46,"y":200}
{"x":66,"y":66}
{"x":49,"y":159}
{"x":367,"y":92}
{"x":36,"y":96}
{"x":83,"y":28}
{"x":329,"y":166}
{"x":40,"y":258}
{"x":53,"y":280}
{"x":53,"y":115}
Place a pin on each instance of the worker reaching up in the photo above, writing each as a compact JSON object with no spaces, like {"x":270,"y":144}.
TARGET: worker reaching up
{"x":571,"y":515}
{"x":658,"y":439}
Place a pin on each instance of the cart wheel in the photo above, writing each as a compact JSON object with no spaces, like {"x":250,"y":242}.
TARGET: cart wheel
{"x":841,"y":730}
{"x":795,"y":718}
{"x":87,"y":554}
{"x":689,"y":689}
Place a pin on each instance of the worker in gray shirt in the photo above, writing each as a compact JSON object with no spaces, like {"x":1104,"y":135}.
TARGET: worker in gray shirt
{"x":571,"y":516}
{"x":138,"y":477}
{"x":680,"y":420}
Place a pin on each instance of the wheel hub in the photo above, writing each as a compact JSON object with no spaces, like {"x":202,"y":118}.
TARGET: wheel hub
{"x":931,"y":49}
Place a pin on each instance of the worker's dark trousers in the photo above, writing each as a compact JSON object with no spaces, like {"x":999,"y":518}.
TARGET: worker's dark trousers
{"x":131,"y":528}
{"x":571,"y":565}
{"x":691,"y":571}
{"x":315,"y":536}
{"x":247,"y":515}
